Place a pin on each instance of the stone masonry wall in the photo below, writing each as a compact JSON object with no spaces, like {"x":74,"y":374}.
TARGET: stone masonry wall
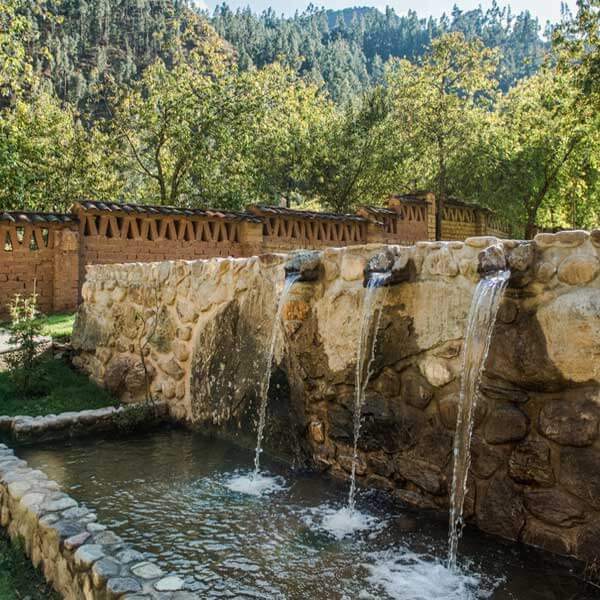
{"x":535,"y":474}
{"x":80,"y":557}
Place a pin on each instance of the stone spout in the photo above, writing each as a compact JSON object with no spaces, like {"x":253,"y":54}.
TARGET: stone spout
{"x":491,"y":260}
{"x":394,"y":265}
{"x":307,"y":265}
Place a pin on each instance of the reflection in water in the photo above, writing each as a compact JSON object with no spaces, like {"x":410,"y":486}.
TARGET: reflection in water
{"x":166,"y":495}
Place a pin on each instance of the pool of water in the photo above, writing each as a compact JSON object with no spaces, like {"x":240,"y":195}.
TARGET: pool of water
{"x":170,"y":495}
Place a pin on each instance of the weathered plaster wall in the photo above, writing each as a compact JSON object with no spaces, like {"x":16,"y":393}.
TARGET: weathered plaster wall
{"x":535,"y":474}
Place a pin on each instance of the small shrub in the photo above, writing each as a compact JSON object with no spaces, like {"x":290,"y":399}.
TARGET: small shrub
{"x":24,"y":363}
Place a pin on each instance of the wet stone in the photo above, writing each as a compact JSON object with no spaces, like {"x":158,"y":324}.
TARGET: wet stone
{"x":169,"y":584}
{"x":555,"y":507}
{"x":77,"y":540}
{"x":421,"y":473}
{"x":128,"y":556}
{"x":68,"y":529}
{"x":506,"y":424}
{"x":491,"y":260}
{"x":60,"y":504}
{"x":588,"y":541}
{"x":107,"y":538}
{"x":103,"y":570}
{"x":147,"y":570}
{"x":570,"y":422}
{"x":485,"y":459}
{"x":122,"y":585}
{"x":580,"y":473}
{"x":530,"y":463}
{"x":448,"y":407}
{"x":87,"y":555}
{"x":415,"y":389}
{"x":546,"y":536}
{"x":501,"y":511}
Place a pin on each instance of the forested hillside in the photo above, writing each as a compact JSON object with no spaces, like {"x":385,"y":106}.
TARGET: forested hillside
{"x":347,"y":49}
{"x":87,"y":44}
{"x":150,"y":101}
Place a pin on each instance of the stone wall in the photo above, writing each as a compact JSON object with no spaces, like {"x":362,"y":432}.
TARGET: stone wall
{"x":39,"y":251}
{"x":80,"y":557}
{"x":536,"y":452}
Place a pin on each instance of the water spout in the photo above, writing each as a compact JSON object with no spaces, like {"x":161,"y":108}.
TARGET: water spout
{"x":480,"y":325}
{"x":371,"y":316}
{"x":290,"y":279}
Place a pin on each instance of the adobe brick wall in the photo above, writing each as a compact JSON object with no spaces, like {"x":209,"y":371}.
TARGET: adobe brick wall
{"x":42,"y":257}
{"x":54,"y":254}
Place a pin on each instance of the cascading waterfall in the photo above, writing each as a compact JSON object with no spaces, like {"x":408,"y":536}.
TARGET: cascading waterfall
{"x":365,"y":354}
{"x":480,"y":325}
{"x":290,"y":279}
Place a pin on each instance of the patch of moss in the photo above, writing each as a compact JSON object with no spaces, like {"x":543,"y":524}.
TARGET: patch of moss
{"x":164,"y":332}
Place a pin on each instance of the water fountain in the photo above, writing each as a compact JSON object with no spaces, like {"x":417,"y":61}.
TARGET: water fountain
{"x":348,"y":519}
{"x":480,"y":325}
{"x":290,"y":279}
{"x":257,"y":483}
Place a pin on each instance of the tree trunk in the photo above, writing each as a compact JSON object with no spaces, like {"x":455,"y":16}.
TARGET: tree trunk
{"x":440,"y":195}
{"x":530,"y":229}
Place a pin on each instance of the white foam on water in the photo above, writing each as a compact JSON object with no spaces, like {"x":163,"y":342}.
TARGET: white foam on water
{"x":405,"y":575}
{"x":255,"y":484}
{"x":342,"y":522}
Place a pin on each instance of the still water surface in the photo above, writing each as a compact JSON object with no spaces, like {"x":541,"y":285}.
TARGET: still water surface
{"x":166,"y":493}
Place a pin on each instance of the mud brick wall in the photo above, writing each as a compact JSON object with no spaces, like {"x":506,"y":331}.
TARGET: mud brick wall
{"x":42,"y":256}
{"x":53,"y":250}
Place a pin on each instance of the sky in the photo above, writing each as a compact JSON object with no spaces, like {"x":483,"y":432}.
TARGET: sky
{"x":543,"y":9}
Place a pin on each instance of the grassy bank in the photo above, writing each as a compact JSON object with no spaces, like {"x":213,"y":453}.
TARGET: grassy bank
{"x":58,"y":327}
{"x":18,"y":578}
{"x":58,"y":389}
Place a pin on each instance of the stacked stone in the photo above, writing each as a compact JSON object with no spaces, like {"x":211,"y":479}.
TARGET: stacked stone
{"x":536,"y":450}
{"x":76,"y":424}
{"x":81,"y":558}
{"x":156,"y":312}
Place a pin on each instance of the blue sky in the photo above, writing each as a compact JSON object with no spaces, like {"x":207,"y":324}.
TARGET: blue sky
{"x":543,"y":9}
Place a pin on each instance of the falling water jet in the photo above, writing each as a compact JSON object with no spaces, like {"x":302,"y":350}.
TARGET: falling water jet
{"x":480,"y":325}
{"x":257,"y":483}
{"x":347,"y":520}
{"x":265,"y":383}
{"x":365,"y":354}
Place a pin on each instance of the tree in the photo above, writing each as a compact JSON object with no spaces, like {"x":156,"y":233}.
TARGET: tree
{"x":440,"y":102}
{"x":578,"y":44}
{"x":357,"y":156}
{"x":48,"y":159}
{"x":540,"y":163}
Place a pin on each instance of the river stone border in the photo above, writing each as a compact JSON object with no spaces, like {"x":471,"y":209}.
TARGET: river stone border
{"x":79,"y":557}
{"x":86,"y":422}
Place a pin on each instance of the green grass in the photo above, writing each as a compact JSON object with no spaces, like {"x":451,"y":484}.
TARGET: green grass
{"x":18,"y":578}
{"x":58,"y":327}
{"x":60,"y":389}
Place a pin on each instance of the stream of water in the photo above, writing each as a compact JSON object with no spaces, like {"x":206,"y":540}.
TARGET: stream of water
{"x":347,"y":519}
{"x":258,"y":483}
{"x":480,"y":325}
{"x":365,"y":354}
